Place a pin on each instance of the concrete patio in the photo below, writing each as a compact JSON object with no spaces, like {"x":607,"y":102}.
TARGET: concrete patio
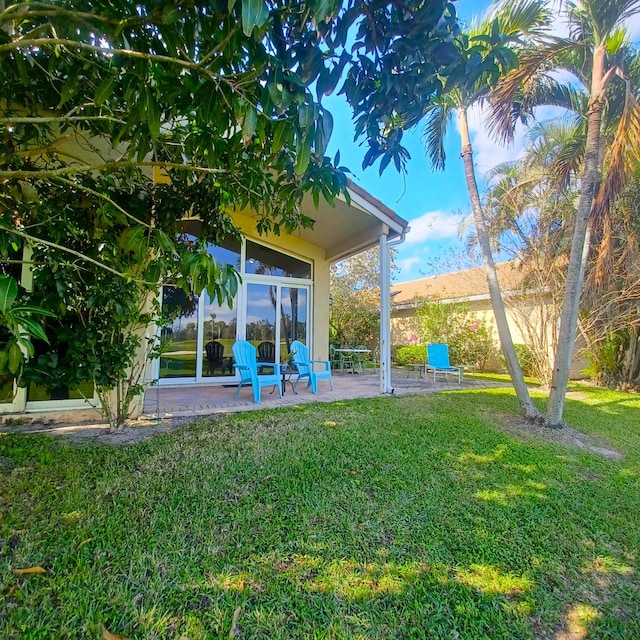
{"x":201,"y":400}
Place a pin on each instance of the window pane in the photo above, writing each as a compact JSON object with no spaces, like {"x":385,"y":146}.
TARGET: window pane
{"x":261,"y":313}
{"x":6,"y":387}
{"x":37,"y":394}
{"x":227,"y":253}
{"x":261,"y":322}
{"x":179,"y":359}
{"x":220,"y":324}
{"x":268,"y":262}
{"x":293,"y":317}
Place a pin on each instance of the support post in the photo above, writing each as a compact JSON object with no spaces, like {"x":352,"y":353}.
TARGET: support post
{"x":385,"y":316}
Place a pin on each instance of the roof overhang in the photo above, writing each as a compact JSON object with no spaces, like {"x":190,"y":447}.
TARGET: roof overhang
{"x":345,"y":229}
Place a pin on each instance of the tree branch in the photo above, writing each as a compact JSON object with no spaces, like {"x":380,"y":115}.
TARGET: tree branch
{"x":60,"y":247}
{"x":107,"y":199}
{"x":129,"y":53}
{"x":57,"y":119}
{"x":54,"y":173}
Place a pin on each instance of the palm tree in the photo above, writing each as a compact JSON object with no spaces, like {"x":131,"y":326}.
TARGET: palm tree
{"x":489,"y":54}
{"x":586,"y":53}
{"x":526,"y":209}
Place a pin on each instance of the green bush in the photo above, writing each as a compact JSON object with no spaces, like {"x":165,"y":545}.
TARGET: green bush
{"x":525,"y":358}
{"x":410,"y":354}
{"x":470,"y":341}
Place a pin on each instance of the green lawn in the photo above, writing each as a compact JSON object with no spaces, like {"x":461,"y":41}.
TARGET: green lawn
{"x":398,"y":517}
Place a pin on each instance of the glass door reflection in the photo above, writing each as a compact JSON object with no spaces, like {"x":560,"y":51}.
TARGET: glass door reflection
{"x":219,"y":334}
{"x":261,"y":322}
{"x":293,"y":317}
{"x":179,"y":359}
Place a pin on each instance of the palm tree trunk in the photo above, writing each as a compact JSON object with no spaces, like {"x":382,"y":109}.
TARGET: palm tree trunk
{"x":579,"y":247}
{"x":515,"y":371}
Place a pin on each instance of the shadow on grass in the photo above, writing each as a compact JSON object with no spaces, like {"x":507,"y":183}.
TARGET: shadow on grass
{"x":401,"y":517}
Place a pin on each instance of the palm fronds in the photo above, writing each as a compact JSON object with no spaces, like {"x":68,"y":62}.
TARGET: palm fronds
{"x":506,"y":109}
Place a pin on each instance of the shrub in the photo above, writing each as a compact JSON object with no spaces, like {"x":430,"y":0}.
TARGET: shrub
{"x":470,"y":341}
{"x":526,"y":359}
{"x":411,"y":354}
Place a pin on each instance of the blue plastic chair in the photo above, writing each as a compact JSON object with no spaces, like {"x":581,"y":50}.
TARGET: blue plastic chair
{"x":305,"y":367}
{"x":438,"y":361}
{"x":244,"y":354}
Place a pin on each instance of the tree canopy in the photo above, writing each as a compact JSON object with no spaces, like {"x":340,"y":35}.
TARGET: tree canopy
{"x":120,"y":118}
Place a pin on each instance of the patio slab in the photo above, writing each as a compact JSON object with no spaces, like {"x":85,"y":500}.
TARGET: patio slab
{"x":200,"y":400}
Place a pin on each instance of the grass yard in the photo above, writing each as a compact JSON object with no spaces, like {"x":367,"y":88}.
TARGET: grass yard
{"x":397,"y":517}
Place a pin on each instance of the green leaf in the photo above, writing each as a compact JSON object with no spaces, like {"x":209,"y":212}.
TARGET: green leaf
{"x":249,"y":123}
{"x":321,"y":9}
{"x":104,"y":90}
{"x":324,"y":131}
{"x":305,"y":115}
{"x":206,"y":97}
{"x":153,"y":115}
{"x":132,"y":240}
{"x":165,"y":242}
{"x":68,"y":91}
{"x":170,"y":14}
{"x":34,"y":328}
{"x":280,"y":135}
{"x":304,"y":155}
{"x":8,"y":293}
{"x":29,"y":308}
{"x":15,"y":358}
{"x":254,"y":14}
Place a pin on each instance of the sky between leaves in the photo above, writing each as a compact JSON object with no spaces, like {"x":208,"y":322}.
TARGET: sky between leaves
{"x":434,"y":202}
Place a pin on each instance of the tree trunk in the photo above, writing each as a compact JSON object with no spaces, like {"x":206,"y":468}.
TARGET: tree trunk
{"x":579,"y":247}
{"x":506,"y":342}
{"x":633,"y":355}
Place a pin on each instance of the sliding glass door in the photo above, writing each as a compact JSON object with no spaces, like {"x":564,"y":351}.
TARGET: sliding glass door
{"x":276,"y":316}
{"x":271,"y":310}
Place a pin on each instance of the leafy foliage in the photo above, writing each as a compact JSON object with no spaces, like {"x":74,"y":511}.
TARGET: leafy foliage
{"x":610,"y":322}
{"x":410,"y":354}
{"x":469,"y":339}
{"x":103,"y":100}
{"x":18,"y":326}
{"x":354,"y":315}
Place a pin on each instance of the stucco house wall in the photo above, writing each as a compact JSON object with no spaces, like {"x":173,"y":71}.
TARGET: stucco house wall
{"x":470,"y":286}
{"x":339,"y":232}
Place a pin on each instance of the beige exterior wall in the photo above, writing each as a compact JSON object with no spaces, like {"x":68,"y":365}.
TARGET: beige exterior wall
{"x":320,"y":289}
{"x":404,"y":325}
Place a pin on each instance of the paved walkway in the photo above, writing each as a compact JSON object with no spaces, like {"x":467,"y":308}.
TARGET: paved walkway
{"x":200,"y":400}
{"x":166,"y":409}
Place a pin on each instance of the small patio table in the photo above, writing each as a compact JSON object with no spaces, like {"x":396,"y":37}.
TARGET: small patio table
{"x":286,"y":370}
{"x":412,"y":369}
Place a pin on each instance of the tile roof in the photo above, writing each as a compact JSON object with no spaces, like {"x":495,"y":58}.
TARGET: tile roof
{"x":459,"y":285}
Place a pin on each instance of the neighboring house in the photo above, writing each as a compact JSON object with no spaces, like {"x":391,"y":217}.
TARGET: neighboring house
{"x":531,"y":313}
{"x":468,"y":286}
{"x":284,"y":296}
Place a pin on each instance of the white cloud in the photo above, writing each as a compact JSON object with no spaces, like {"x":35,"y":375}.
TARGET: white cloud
{"x":487,"y":152}
{"x":633,"y":28}
{"x":433,"y":225}
{"x":406,"y":263}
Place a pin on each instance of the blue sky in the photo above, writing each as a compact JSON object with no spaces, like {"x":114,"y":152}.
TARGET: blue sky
{"x":433,"y":202}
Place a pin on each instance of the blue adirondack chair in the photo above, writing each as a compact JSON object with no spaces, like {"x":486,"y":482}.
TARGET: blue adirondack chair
{"x":438,"y":361}
{"x":244,"y":354}
{"x":305,"y":367}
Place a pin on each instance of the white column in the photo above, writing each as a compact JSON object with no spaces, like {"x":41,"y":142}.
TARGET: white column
{"x":385,"y":316}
